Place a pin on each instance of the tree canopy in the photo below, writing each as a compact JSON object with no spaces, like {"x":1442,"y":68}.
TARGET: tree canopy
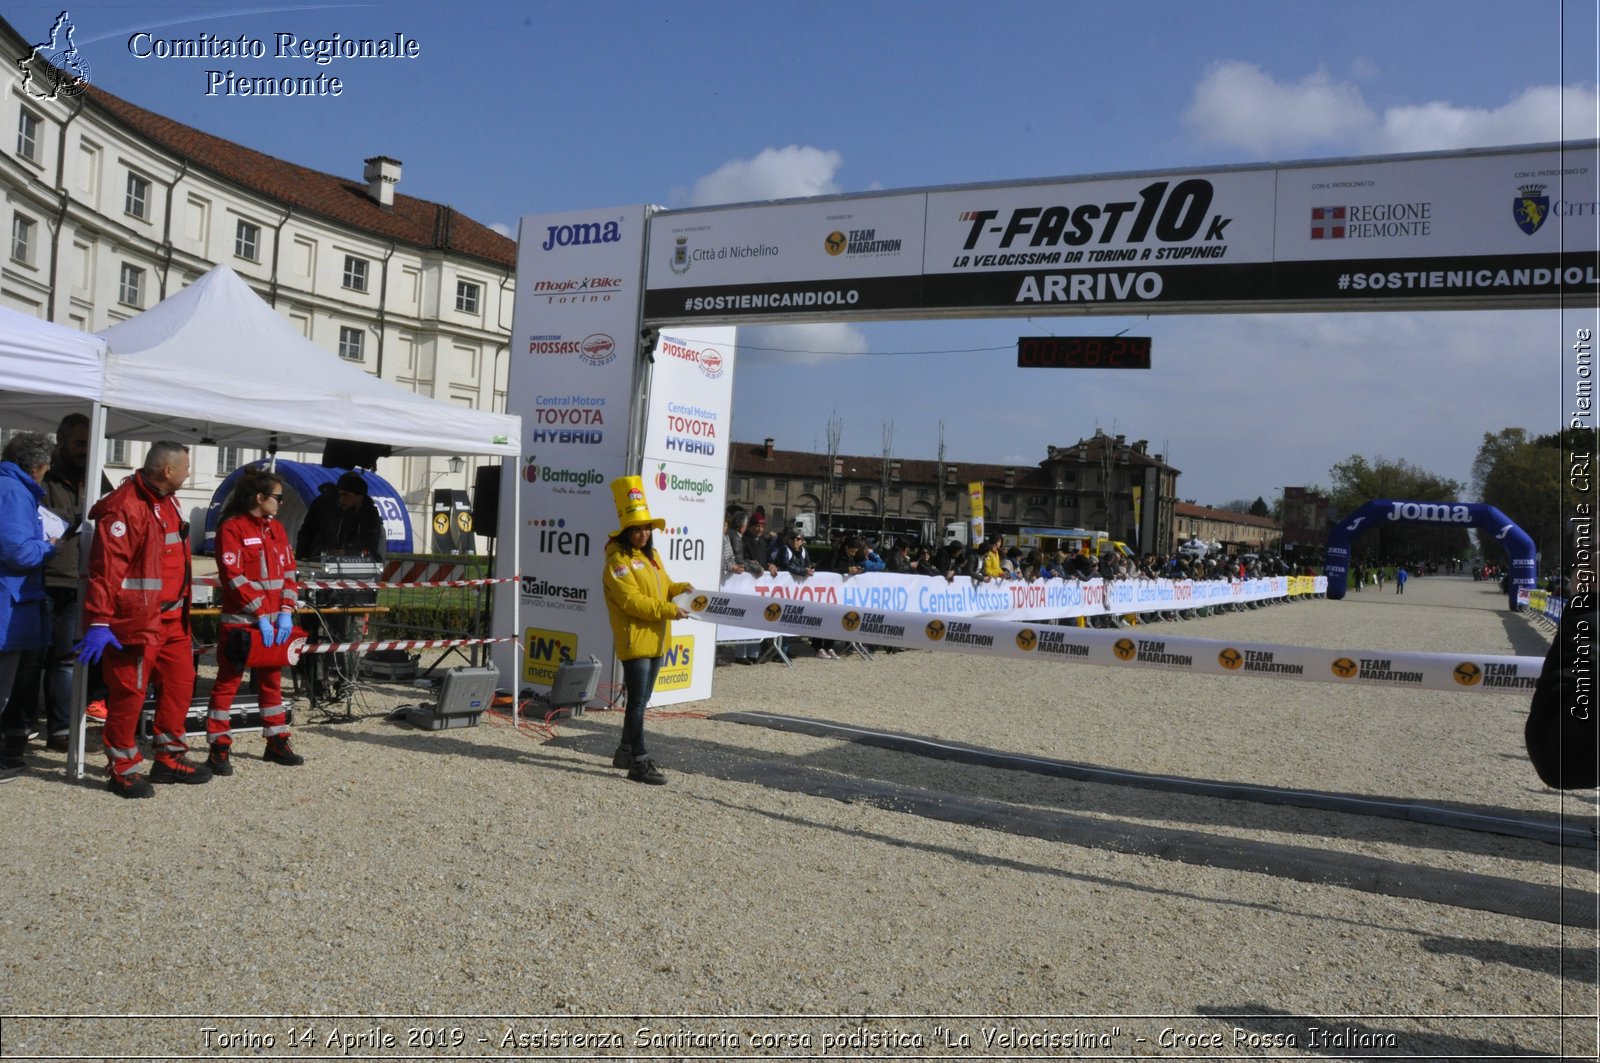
{"x":1358,"y":480}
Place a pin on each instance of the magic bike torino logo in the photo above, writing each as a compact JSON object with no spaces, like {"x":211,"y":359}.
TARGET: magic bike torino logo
{"x":1530,"y":207}
{"x":1467,"y":674}
{"x":1125,"y":649}
{"x":54,"y":69}
{"x":1231,"y":659}
{"x":1027,"y":639}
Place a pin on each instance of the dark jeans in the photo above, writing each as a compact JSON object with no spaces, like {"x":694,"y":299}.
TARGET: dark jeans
{"x":639,"y":677}
{"x":65,"y":611}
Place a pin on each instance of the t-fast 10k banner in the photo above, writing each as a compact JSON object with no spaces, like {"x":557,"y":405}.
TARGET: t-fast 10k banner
{"x":687,"y":435}
{"x":573,"y":350}
{"x":1511,"y":227}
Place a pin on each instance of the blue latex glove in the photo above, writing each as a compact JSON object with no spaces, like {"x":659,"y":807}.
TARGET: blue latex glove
{"x":285,"y":627}
{"x":94,"y":643}
{"x":269,"y":631}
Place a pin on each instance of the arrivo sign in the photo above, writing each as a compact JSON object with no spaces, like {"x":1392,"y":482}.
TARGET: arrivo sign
{"x":1083,"y":352}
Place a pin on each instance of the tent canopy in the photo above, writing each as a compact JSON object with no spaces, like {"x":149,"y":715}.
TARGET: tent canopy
{"x":215,"y":364}
{"x":46,"y":371}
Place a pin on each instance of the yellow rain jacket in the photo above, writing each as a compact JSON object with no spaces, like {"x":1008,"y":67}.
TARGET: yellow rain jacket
{"x":639,"y":602}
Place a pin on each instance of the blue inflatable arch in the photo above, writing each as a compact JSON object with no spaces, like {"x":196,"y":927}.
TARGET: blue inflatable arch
{"x":1490,"y":522}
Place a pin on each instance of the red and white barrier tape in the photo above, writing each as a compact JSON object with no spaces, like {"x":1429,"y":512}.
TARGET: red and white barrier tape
{"x":398,"y":644}
{"x":369,"y":585}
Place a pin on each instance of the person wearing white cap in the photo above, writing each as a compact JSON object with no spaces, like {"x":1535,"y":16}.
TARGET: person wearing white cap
{"x":639,"y":603}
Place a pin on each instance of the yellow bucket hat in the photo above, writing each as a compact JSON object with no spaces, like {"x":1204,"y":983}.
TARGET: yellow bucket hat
{"x":628,"y":494}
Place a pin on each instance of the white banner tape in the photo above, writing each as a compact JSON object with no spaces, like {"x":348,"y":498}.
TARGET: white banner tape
{"x":767,"y":616}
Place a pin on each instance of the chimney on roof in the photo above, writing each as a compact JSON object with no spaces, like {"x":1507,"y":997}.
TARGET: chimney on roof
{"x":1141,"y":446}
{"x":766,"y":448}
{"x":382,"y":174}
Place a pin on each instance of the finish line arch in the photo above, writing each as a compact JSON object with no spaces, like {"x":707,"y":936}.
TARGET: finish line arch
{"x":1490,"y":522}
{"x":623,"y":343}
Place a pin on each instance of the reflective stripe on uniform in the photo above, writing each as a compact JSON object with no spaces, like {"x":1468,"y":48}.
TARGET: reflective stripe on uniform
{"x":273,"y":731}
{"x":224,"y":715}
{"x":237,"y":618}
{"x":173,"y":539}
{"x":168,"y":743}
{"x":132,"y":583}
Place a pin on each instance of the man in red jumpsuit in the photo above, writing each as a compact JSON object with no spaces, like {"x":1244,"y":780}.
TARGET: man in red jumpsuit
{"x":259,"y":593}
{"x":137,"y":611}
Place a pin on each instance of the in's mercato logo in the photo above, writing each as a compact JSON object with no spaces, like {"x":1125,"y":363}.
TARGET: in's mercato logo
{"x":582,"y":234}
{"x":1530,"y":208}
{"x":54,"y":69}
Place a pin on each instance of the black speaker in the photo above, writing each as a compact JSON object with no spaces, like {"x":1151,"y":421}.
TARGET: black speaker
{"x":348,"y":454}
{"x":486,"y":500}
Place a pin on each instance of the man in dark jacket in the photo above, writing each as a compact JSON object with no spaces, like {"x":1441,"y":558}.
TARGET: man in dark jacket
{"x":342,"y":523}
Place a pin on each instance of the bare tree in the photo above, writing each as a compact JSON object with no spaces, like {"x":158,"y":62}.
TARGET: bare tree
{"x":831,"y":483}
{"x":938,"y":491}
{"x":883,"y":481}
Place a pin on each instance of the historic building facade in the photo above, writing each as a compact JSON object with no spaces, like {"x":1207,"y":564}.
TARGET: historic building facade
{"x":111,"y":208}
{"x":1238,"y":533}
{"x":1089,"y":484}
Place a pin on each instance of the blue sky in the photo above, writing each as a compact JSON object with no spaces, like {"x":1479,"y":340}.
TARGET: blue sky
{"x":521,"y":108}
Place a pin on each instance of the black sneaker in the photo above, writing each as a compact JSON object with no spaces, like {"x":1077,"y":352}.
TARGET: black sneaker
{"x":56,"y":743}
{"x":220,"y":760}
{"x":645,"y":771}
{"x":170,"y":768}
{"x":132,"y":785}
{"x":623,"y":757}
{"x":279,"y":752}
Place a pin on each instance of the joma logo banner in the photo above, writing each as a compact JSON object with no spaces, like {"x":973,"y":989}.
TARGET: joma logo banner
{"x":1425,"y":511}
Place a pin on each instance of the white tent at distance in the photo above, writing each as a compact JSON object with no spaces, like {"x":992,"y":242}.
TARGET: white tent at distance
{"x":215,"y":363}
{"x":46,"y":371}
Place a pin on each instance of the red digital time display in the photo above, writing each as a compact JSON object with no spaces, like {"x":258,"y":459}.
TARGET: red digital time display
{"x":1083,"y":352}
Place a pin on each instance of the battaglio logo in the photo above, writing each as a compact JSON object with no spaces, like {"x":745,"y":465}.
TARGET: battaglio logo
{"x":534,"y":473}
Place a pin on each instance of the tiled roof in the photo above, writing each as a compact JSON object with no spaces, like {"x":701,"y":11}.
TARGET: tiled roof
{"x":1189,"y":509}
{"x":412,"y":221}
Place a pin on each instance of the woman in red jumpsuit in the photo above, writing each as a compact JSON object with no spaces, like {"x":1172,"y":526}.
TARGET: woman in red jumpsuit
{"x":255,"y":565}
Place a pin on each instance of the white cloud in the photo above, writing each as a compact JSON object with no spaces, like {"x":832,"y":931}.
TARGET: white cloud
{"x":1240,"y":105}
{"x":503,"y":229}
{"x":1237,"y":104}
{"x":775,"y":173}
{"x":800,"y":344}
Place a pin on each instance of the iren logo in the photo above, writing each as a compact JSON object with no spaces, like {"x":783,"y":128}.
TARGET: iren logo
{"x":591,"y":232}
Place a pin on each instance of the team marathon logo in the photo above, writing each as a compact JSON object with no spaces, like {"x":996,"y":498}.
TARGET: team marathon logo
{"x":1375,"y":670}
{"x":1256,"y":661}
{"x":1530,"y":208}
{"x":850,"y":242}
{"x":1150,"y":651}
{"x":1492,"y":676}
{"x":54,"y":69}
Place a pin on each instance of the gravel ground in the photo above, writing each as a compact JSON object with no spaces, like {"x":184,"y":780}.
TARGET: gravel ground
{"x":783,"y":888}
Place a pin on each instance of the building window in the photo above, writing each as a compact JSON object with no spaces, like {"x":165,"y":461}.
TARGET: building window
{"x":350,"y":341}
{"x":780,"y":485}
{"x":137,"y":202}
{"x":131,"y":289}
{"x":116,"y":452}
{"x":247,"y":241}
{"x":467,"y":297}
{"x":23,"y":230}
{"x":355,"y":273}
{"x":28,"y":135}
{"x":229,"y":459}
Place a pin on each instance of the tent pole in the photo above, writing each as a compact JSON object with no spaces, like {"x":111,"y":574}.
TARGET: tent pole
{"x":80,"y":675}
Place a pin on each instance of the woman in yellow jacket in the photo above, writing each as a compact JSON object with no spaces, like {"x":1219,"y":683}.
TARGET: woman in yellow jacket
{"x":639,"y":603}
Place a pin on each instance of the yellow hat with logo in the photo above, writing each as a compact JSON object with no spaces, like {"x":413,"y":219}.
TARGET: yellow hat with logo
{"x":632,"y":509}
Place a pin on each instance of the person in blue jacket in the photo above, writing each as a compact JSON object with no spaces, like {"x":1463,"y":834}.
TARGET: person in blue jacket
{"x":24,"y":613}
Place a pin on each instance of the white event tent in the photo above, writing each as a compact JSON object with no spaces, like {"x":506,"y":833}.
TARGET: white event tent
{"x":215,"y":364}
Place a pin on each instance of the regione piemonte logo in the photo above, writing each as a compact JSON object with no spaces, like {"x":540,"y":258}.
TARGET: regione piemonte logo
{"x":1328,"y":223}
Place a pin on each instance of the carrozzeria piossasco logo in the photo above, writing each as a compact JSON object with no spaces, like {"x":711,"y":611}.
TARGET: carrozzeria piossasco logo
{"x":706,"y":359}
{"x":597,"y":348}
